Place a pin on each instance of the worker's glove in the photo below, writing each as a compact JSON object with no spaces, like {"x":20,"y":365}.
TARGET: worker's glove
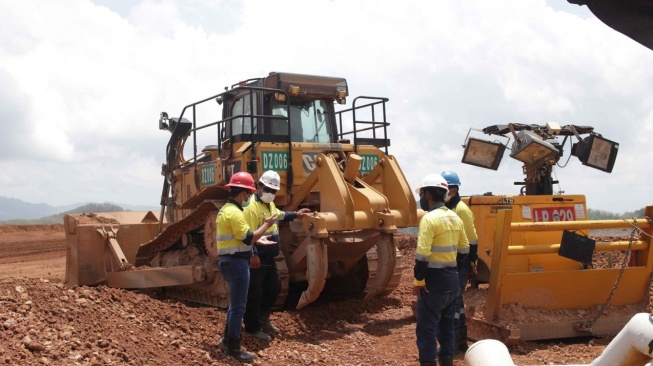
{"x":474,"y":268}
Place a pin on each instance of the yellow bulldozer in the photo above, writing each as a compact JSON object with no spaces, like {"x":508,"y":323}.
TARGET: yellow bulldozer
{"x":334,"y":162}
{"x":535,"y":247}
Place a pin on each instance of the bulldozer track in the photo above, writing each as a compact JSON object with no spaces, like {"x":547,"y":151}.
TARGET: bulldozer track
{"x":210,"y":227}
{"x":213,"y":293}
{"x":171,"y":234}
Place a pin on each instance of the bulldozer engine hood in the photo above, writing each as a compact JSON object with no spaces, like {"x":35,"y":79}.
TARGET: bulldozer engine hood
{"x":308,"y":86}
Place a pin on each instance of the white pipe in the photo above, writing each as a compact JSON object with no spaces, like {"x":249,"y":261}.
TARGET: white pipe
{"x":632,"y":346}
{"x":488,"y":352}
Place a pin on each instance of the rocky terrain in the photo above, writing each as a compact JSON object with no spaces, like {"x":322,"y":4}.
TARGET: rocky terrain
{"x":42,"y":322}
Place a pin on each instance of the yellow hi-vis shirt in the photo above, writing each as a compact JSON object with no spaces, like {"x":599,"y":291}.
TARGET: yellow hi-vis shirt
{"x":465,"y":213}
{"x":257,"y":210}
{"x":255,"y":213}
{"x":441,"y":237}
{"x":232,"y":230}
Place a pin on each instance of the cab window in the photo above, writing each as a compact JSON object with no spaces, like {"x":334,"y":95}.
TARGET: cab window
{"x":243,"y":107}
{"x":309,"y":121}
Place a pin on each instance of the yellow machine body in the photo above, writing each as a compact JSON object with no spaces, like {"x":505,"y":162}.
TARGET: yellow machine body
{"x":355,"y":190}
{"x":519,"y":257}
{"x":526,"y":208}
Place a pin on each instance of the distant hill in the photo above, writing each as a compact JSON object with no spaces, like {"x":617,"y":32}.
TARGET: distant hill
{"x":11,"y":208}
{"x":17,"y":212}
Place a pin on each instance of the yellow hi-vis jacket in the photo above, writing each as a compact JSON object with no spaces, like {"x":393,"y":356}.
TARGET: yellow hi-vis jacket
{"x":255,"y":212}
{"x":233,"y":234}
{"x":465,"y":213}
{"x":441,"y":237}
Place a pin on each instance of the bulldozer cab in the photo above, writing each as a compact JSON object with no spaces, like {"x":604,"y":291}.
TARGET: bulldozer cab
{"x":260,"y":109}
{"x":302,"y":119}
{"x":307,"y":120}
{"x":297,"y":108}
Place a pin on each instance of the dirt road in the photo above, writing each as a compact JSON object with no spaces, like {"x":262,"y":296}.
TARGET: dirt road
{"x":43,"y":322}
{"x":37,"y":251}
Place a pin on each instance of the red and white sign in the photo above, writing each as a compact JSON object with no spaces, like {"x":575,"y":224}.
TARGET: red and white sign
{"x":546,"y":214}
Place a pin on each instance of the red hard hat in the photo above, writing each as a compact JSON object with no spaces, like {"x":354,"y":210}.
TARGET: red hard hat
{"x":242,"y":180}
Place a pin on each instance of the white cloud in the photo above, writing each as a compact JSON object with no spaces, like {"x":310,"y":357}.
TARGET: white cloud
{"x":83,"y":83}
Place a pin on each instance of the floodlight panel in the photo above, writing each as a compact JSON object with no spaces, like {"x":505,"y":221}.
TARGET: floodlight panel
{"x":602,"y":153}
{"x":485,"y":154}
{"x":531,"y":148}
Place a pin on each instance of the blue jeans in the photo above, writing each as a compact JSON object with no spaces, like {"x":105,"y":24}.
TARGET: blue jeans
{"x":463,"y":277}
{"x":235,"y":271}
{"x":435,"y":317}
{"x":264,"y":288}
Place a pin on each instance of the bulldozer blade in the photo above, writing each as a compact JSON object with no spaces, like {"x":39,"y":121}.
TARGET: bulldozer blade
{"x":317,"y":267}
{"x":478,"y":329}
{"x":386,"y":258}
{"x":156,"y":277}
{"x":570,"y":328}
{"x":105,"y":242}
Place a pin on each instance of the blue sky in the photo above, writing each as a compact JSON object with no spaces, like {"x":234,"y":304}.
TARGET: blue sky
{"x":82,"y":84}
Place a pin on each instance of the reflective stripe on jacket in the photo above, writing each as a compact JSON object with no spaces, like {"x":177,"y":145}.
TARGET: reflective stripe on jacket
{"x":441,"y":237}
{"x":233,"y":234}
{"x":465,"y":213}
{"x":254,"y":214}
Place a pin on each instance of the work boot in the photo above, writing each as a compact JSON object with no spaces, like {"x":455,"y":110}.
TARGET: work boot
{"x":461,"y":339}
{"x":446,"y":361}
{"x":222,"y":343}
{"x":261,"y":335}
{"x":266,"y":325}
{"x":434,"y":363}
{"x":233,"y":350}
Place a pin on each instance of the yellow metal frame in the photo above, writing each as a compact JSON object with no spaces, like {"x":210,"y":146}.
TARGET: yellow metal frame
{"x":352,"y":205}
{"x":486,"y":210}
{"x":95,"y":249}
{"x":565,"y":289}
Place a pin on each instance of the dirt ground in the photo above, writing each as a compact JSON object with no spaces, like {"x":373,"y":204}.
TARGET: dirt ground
{"x":45,"y":323}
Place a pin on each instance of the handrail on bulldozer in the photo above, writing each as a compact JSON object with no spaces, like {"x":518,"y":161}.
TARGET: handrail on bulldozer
{"x":374,"y":123}
{"x":221,"y":124}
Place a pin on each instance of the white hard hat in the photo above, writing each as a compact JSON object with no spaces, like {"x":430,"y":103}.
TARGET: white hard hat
{"x":433,"y":180}
{"x":271,"y":179}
